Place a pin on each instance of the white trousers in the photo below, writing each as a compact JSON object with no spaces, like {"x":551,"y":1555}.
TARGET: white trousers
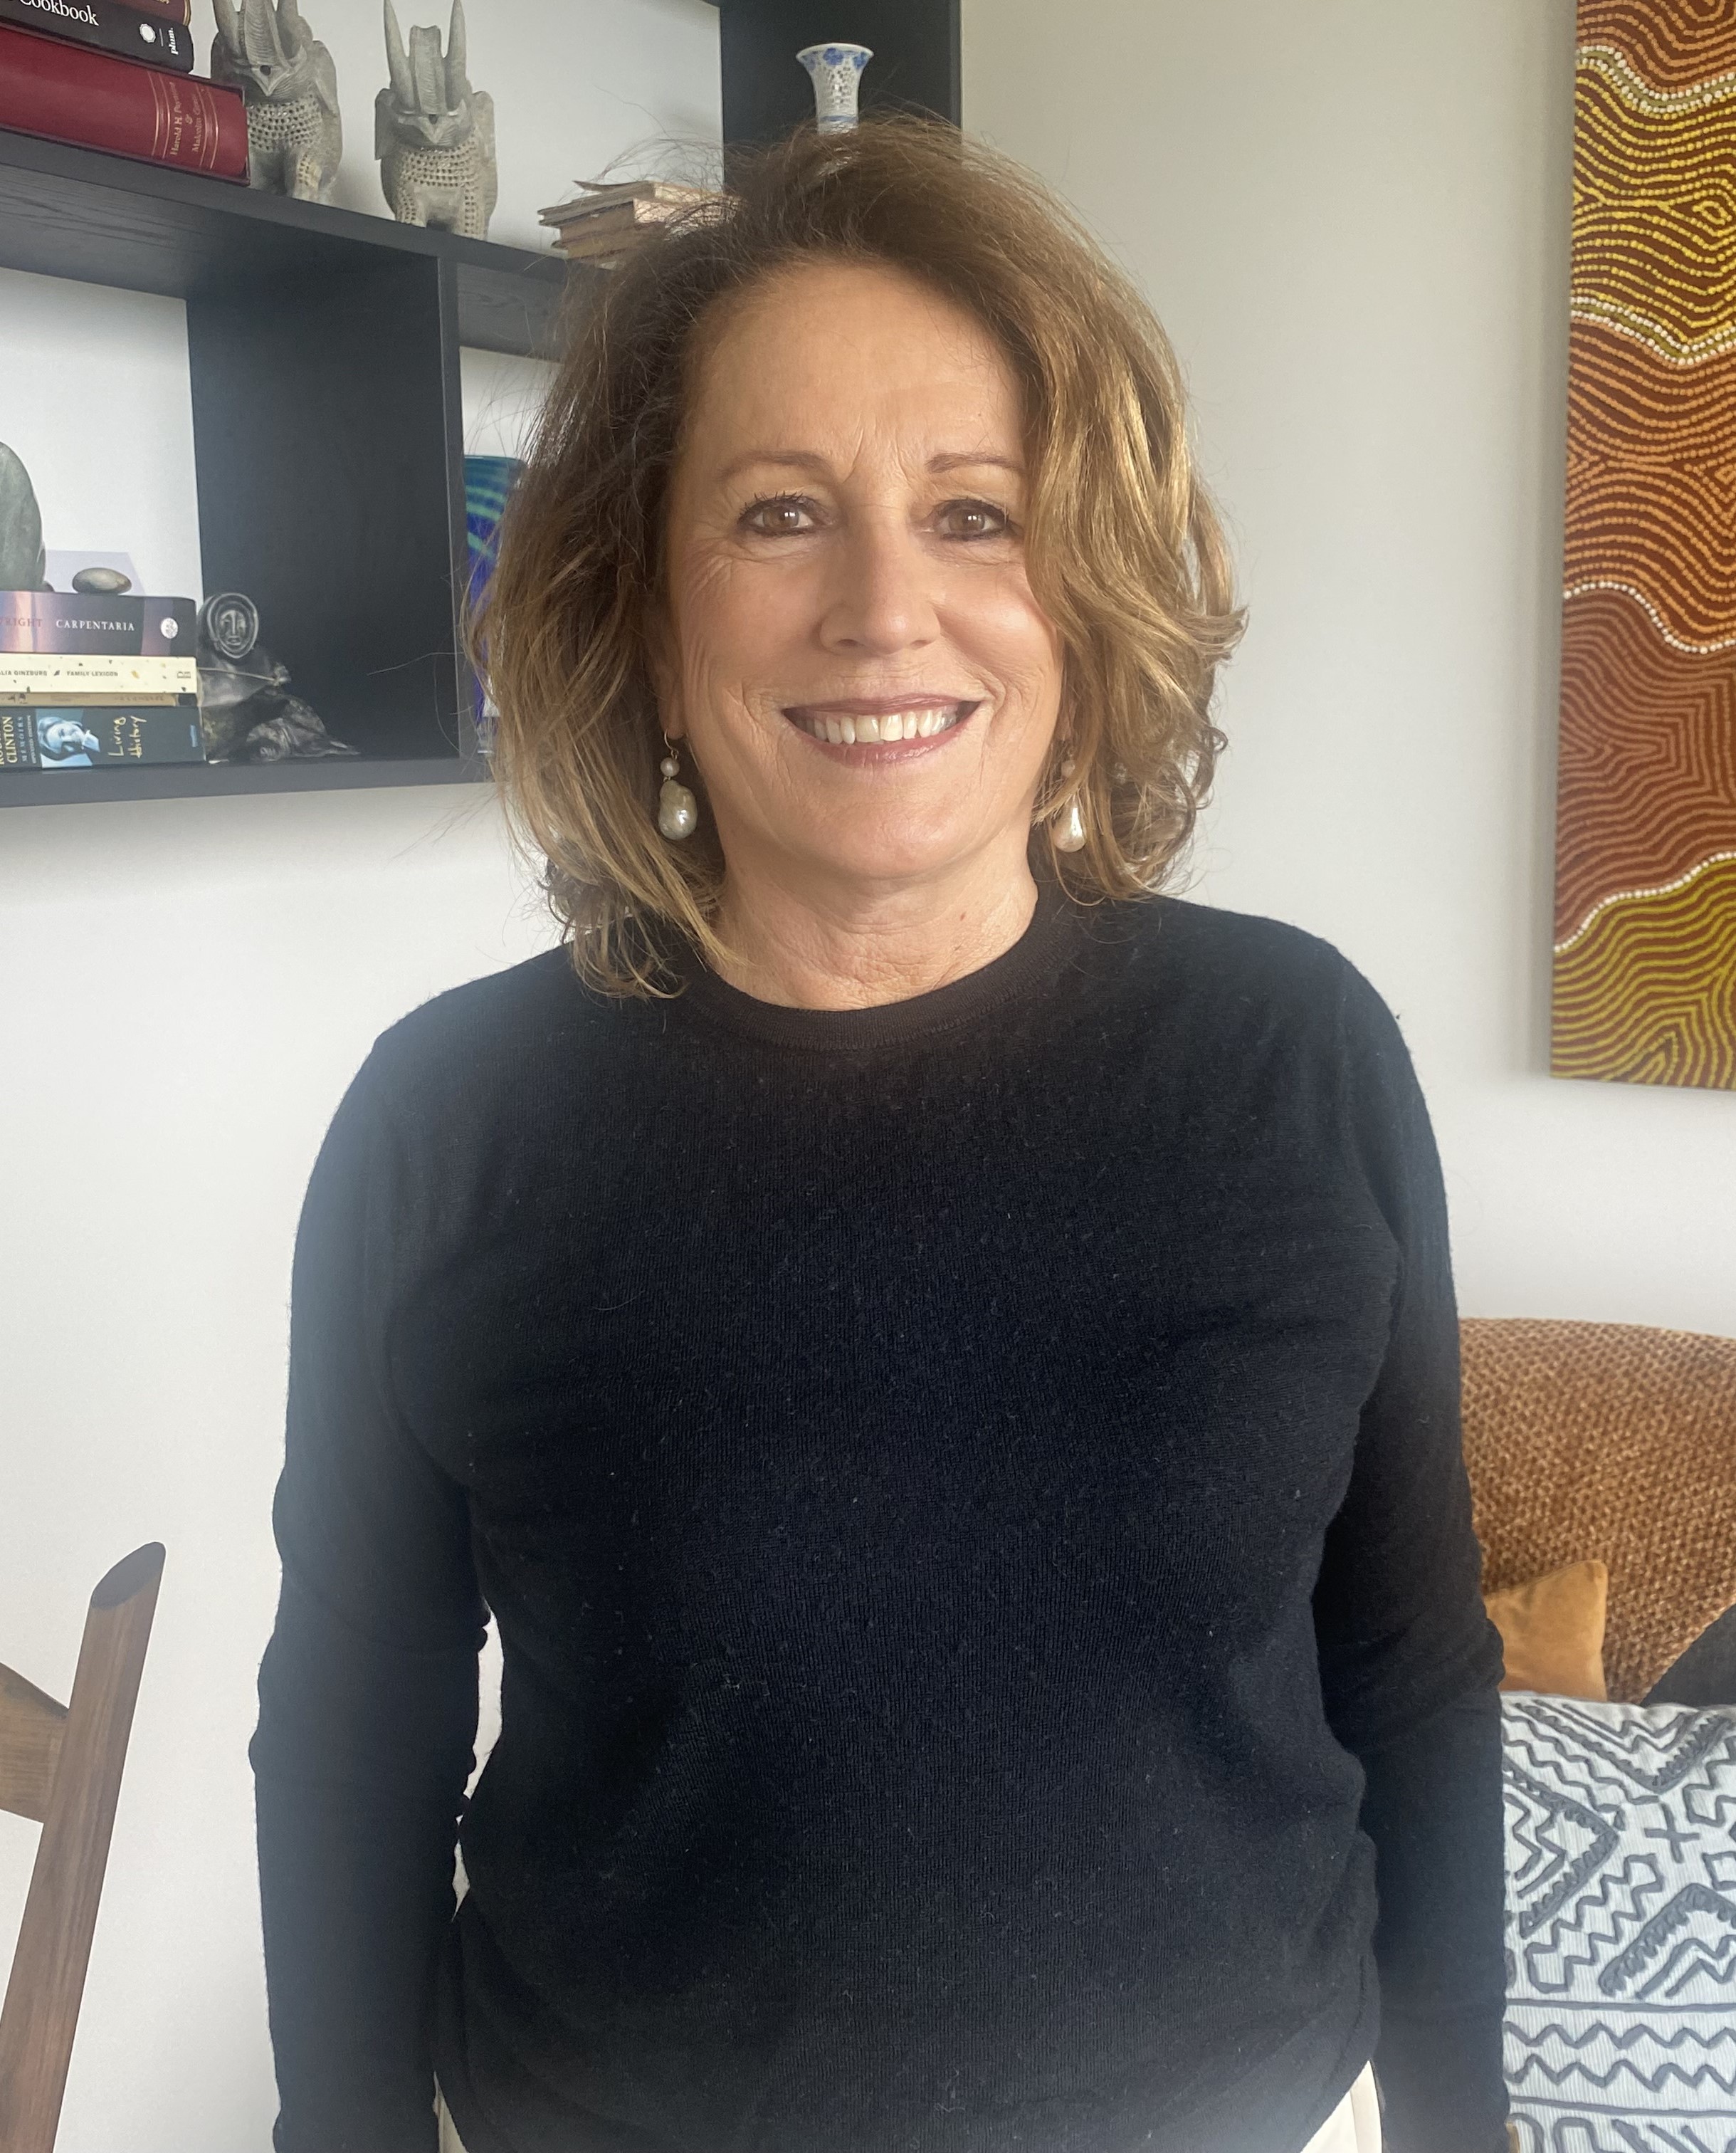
{"x":1353,"y":2127}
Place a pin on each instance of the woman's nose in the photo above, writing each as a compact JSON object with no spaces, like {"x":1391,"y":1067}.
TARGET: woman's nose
{"x":883,"y":599}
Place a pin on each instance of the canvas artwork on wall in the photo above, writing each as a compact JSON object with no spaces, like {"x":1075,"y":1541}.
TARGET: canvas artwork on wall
{"x":1644,"y":952}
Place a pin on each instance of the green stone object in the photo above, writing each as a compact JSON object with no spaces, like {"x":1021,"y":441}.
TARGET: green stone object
{"x":102,"y":583}
{"x":23,"y":562}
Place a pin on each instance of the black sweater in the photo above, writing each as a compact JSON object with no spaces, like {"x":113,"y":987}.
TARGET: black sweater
{"x":971,"y":1493}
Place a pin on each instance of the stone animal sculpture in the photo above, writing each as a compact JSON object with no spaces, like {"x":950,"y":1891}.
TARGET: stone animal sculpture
{"x":433,"y":134}
{"x":22,"y":563}
{"x":295,"y":136}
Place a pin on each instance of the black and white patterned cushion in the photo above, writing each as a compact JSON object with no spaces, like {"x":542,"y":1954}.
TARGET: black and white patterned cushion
{"x":1621,"y":2032}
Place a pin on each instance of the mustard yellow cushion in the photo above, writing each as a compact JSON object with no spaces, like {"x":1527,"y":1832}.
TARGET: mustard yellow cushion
{"x":1552,"y":1630}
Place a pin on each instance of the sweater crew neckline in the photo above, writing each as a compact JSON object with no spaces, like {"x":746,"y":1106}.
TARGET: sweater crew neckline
{"x":1024,"y":965}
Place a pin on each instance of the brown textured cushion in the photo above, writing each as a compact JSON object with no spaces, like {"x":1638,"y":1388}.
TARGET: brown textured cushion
{"x":1552,"y":1630}
{"x":1614,"y":1440}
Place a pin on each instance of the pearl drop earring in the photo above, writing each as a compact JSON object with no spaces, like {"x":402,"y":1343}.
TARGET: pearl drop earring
{"x":1070,"y":834}
{"x":678,"y":812}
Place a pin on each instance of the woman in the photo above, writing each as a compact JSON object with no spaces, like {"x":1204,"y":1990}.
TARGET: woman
{"x":939,"y":1362}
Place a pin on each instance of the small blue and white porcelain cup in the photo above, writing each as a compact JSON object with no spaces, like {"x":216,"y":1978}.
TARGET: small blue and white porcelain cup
{"x":837,"y":72}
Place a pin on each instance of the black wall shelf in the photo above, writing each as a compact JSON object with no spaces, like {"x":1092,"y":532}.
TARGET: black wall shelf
{"x":212,"y":781}
{"x":329,"y":437}
{"x":916,"y":63}
{"x":327,"y":425}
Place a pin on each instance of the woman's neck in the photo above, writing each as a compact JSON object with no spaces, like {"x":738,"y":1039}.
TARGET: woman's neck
{"x":851,"y":947}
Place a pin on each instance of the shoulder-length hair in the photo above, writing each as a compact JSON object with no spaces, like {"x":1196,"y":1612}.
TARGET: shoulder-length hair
{"x":1124,"y":550}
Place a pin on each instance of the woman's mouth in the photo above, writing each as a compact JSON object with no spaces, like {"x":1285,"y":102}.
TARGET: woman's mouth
{"x":865,"y":724}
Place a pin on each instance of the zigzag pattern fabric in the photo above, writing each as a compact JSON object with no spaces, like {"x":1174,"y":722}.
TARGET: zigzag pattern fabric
{"x":1621,"y":2024}
{"x":1645,"y":952}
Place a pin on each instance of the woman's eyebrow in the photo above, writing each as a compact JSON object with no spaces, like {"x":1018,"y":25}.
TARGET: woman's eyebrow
{"x":811,"y":460}
{"x":967,"y":459}
{"x":792,"y":459}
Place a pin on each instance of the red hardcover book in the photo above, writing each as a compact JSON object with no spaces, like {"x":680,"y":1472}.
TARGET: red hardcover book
{"x":72,"y":94}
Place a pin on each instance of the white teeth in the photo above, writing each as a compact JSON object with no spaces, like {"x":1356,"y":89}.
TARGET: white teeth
{"x":895,"y":725}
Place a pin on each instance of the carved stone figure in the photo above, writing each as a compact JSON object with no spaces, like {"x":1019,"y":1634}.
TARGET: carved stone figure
{"x":433,"y":134}
{"x":246,"y":713}
{"x":23,"y":564}
{"x":295,"y":137}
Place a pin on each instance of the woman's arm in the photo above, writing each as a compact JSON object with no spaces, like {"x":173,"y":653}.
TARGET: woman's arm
{"x":368,"y":1690}
{"x":1409,"y":1661}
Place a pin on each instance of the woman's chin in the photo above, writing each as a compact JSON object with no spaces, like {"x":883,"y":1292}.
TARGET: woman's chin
{"x":867,"y":858}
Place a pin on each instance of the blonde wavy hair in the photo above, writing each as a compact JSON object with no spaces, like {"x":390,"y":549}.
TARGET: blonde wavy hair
{"x":1124,"y":550}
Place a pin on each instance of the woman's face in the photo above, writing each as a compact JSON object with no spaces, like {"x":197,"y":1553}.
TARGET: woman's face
{"x":846,"y":557}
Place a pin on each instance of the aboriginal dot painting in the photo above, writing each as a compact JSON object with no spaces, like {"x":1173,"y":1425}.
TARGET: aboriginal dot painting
{"x":1644,"y":952}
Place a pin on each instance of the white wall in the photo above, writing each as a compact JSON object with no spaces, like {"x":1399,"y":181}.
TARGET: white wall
{"x":185,"y":988}
{"x":1353,"y":217}
{"x":105,"y":480}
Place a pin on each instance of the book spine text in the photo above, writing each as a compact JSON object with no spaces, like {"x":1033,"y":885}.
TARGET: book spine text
{"x":49,"y":86}
{"x":62,"y":675}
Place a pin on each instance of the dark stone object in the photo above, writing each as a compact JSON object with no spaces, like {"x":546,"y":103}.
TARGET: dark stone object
{"x":284,"y":725}
{"x":23,"y":562}
{"x":246,"y":713}
{"x":102,"y":583}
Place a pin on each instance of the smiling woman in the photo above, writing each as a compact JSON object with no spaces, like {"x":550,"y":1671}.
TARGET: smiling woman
{"x":940,"y":1358}
{"x":890,"y":434}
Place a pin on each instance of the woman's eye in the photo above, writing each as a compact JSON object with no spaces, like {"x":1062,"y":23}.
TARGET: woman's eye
{"x":973,"y":519}
{"x":782,"y":518}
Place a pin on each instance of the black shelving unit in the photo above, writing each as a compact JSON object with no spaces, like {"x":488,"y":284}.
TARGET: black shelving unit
{"x":327,"y":426}
{"x":916,"y":63}
{"x":329,"y":437}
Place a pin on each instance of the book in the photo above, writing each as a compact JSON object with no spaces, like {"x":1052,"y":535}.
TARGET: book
{"x":87,"y":738}
{"x":70,"y":698}
{"x":49,"y":86}
{"x":608,"y":248}
{"x":605,"y":220}
{"x":653,"y":197}
{"x":171,"y":11}
{"x":112,"y":25}
{"x":70,"y":623}
{"x":59,"y":676}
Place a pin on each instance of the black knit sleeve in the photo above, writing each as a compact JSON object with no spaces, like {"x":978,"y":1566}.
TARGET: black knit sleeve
{"x":368,"y":1691}
{"x":1409,"y":1661}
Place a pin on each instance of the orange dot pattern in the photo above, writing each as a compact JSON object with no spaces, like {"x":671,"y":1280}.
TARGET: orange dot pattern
{"x":1668,"y":966}
{"x":1676,"y":43}
{"x":1652,"y":477}
{"x":1641,"y":803}
{"x":1654,"y":214}
{"x":1645,"y":963}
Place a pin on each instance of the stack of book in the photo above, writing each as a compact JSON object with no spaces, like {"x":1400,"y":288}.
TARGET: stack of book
{"x":85,"y":681}
{"x":117,"y":75}
{"x":603,"y":223}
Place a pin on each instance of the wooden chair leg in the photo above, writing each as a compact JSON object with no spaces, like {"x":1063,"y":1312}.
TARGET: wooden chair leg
{"x":41,"y":2012}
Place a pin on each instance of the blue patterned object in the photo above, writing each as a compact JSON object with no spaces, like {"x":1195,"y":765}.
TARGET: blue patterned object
{"x":488,"y":481}
{"x":1621,"y":2027}
{"x":834,"y":71}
